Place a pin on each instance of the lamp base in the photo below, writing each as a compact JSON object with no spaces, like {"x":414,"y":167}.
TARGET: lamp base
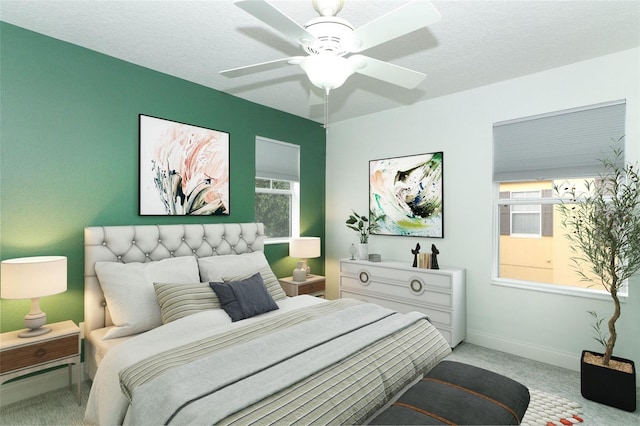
{"x":35,"y":332}
{"x":300,"y":273}
{"x":35,"y":320}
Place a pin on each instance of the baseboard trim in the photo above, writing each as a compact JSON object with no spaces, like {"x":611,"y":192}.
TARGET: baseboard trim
{"x":544,"y":354}
{"x":31,"y":386}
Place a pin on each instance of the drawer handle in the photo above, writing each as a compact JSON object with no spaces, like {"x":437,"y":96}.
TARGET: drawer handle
{"x":364,"y":278}
{"x":416,"y":286}
{"x":40,"y":352}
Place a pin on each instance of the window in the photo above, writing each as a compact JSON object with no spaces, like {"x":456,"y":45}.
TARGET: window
{"x":521,"y":219}
{"x":526,"y":219}
{"x":275,"y":201}
{"x":532,"y":156}
{"x":277,"y":189}
{"x":532,"y":245}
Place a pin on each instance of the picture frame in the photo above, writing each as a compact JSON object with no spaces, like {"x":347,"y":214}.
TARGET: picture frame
{"x":184,"y":169}
{"x":406,"y":195}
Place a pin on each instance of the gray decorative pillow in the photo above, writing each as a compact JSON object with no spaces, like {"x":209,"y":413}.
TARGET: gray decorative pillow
{"x":179,"y":300}
{"x":245,"y":298}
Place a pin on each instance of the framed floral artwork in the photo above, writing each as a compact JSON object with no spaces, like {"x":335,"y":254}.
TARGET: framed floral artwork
{"x":184,"y":169}
{"x":405,"y":196}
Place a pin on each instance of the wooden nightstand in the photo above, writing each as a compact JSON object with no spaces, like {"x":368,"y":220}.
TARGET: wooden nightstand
{"x":314,"y":286}
{"x":24,"y":355}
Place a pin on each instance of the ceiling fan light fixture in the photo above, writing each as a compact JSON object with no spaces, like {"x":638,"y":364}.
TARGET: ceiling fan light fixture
{"x":327,"y":71}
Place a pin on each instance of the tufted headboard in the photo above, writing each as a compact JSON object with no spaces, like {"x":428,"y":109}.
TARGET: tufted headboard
{"x":146,"y":243}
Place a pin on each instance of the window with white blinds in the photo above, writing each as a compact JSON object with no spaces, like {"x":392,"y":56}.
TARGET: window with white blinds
{"x":277,"y":160}
{"x":562,"y":144}
{"x":531,"y":156}
{"x":277,"y":185}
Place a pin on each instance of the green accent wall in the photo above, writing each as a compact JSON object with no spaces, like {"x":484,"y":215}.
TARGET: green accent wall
{"x":69,"y":155}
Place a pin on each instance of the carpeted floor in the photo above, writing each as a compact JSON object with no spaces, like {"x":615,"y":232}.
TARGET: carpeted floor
{"x":61,"y":408}
{"x":547,"y":378}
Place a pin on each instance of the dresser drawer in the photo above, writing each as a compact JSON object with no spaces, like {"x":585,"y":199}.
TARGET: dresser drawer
{"x":431,"y":277}
{"x":30,"y":355}
{"x":400,"y":289}
{"x":437,"y":317}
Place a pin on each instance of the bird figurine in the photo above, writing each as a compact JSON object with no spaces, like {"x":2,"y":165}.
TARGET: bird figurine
{"x":434,"y":257}
{"x":415,"y":253}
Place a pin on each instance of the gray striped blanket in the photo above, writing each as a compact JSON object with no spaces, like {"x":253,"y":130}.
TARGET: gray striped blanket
{"x":334,"y":363}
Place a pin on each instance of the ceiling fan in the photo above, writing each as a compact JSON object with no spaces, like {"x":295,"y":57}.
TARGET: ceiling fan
{"x":332,"y":44}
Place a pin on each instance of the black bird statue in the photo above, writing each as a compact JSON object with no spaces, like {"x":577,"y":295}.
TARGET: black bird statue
{"x":415,"y":253}
{"x":434,"y":257}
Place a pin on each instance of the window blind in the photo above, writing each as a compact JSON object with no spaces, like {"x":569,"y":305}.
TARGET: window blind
{"x":277,"y":160}
{"x":562,"y":144}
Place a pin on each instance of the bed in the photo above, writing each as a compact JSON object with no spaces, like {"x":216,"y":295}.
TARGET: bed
{"x":187,"y":324}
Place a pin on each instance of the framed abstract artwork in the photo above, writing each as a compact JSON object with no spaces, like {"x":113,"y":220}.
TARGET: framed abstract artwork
{"x":184,"y":169}
{"x":405,"y":196}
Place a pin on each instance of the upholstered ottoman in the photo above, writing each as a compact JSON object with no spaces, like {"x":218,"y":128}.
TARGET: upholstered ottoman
{"x":457,"y":393}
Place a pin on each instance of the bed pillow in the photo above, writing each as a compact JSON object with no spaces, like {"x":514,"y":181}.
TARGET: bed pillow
{"x":244,"y":298}
{"x":128,"y":290}
{"x":180,"y":300}
{"x":235,"y":267}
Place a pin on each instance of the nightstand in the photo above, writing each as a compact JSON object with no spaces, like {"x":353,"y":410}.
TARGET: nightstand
{"x":313,"y":285}
{"x":24,"y":355}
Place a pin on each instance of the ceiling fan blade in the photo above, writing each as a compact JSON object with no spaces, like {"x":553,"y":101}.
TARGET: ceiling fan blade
{"x":386,"y":71}
{"x":277,"y":20}
{"x":263,"y":66}
{"x":398,"y":22}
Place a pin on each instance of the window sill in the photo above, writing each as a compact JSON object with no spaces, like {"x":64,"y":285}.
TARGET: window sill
{"x":270,"y":241}
{"x":557,"y":289}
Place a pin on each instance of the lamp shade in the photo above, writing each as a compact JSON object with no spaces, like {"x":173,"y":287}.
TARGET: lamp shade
{"x":304,"y":247}
{"x":29,"y":277}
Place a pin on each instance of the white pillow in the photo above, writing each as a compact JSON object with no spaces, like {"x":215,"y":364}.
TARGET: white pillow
{"x":213,"y":268}
{"x":128,"y":289}
{"x":234,"y":267}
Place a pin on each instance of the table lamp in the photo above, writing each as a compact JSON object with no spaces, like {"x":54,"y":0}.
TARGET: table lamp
{"x":33,"y":278}
{"x":304,"y":248}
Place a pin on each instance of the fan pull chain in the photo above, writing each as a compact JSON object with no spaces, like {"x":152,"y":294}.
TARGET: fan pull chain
{"x":326,"y":110}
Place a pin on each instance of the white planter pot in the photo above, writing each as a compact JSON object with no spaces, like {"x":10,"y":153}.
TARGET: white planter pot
{"x":363,"y":250}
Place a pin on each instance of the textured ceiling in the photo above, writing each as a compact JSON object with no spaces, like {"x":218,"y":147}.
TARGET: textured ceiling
{"x":474,"y":44}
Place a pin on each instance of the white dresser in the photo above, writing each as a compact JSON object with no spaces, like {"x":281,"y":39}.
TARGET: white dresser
{"x":439,"y":293}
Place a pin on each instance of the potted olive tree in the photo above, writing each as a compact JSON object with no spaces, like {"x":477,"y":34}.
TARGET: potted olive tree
{"x":603,"y":224}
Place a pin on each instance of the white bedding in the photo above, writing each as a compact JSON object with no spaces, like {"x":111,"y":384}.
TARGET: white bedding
{"x":107,"y":405}
{"x":101,"y":345}
{"x":223,"y":382}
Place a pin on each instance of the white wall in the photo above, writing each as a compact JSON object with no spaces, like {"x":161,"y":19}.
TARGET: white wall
{"x":547,"y":327}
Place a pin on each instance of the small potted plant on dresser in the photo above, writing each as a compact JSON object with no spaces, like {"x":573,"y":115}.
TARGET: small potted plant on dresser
{"x":363,"y":227}
{"x":604,"y":231}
